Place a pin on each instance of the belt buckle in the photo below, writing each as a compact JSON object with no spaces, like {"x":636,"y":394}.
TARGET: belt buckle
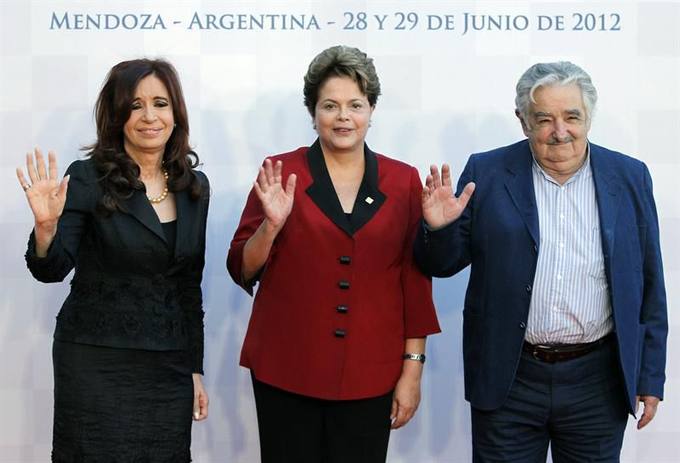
{"x":537,"y":349}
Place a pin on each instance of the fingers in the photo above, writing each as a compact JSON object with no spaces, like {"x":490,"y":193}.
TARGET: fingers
{"x":290,"y":185}
{"x":277,"y":172}
{"x":465,"y":195}
{"x":402,"y":416}
{"x":200,"y":405}
{"x":269,"y":171}
{"x":394,"y":410}
{"x":446,"y":175}
{"x":649,"y":410}
{"x":63,"y":187}
{"x":52,"y":159}
{"x":22,"y":180}
{"x":436,"y":179}
{"x":40,"y":161}
{"x":30,"y":168}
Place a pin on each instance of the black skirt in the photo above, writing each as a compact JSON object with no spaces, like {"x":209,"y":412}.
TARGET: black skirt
{"x":121,"y":405}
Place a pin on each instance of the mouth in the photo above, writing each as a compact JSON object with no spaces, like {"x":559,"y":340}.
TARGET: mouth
{"x":342,"y":130}
{"x":150,"y":132}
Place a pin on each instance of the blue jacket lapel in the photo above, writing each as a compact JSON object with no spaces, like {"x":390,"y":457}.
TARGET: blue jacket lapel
{"x":606,"y":189}
{"x":520,"y":185}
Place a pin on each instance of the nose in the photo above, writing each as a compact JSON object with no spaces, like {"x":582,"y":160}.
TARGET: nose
{"x":560,"y":130}
{"x":343,"y":113}
{"x":149,"y":114}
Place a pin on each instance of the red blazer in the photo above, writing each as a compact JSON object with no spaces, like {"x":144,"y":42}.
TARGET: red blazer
{"x":337,"y":296}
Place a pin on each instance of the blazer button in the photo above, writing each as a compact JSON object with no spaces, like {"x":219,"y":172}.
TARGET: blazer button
{"x":535,"y":248}
{"x":342,"y":309}
{"x":528,"y":288}
{"x":340,"y":333}
{"x":345,"y":260}
{"x":522,"y":325}
{"x":343,"y":284}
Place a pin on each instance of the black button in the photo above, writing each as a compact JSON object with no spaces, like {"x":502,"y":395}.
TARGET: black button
{"x":528,"y":288}
{"x":522,"y":325}
{"x":344,"y":284}
{"x":345,"y":260}
{"x":342,"y":308}
{"x":339,"y":333}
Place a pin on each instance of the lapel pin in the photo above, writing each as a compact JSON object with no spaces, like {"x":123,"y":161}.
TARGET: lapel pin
{"x":369,"y":200}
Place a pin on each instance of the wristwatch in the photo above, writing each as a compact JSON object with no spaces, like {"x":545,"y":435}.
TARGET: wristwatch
{"x":418,"y":357}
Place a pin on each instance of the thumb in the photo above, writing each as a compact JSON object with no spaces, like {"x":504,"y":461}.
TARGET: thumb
{"x":63,"y":187}
{"x":290,"y":184}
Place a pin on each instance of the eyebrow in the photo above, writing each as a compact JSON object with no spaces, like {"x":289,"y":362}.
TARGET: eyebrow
{"x":574,"y":112}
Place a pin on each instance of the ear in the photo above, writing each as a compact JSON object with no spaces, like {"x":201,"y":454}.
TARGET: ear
{"x":525,"y":127}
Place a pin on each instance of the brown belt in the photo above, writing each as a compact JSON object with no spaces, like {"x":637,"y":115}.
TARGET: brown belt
{"x":552,"y":353}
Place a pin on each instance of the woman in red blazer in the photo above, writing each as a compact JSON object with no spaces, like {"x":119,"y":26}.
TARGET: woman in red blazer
{"x":336,"y":339}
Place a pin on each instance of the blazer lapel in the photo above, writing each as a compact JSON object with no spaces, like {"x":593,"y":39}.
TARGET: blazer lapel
{"x":520,"y":186}
{"x":186,"y":218}
{"x":139,"y":207}
{"x":606,"y":189}
{"x":368,"y":200}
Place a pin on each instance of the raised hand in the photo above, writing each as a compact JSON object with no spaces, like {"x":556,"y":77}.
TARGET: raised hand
{"x":440,"y":206}
{"x":46,"y":194}
{"x":277,"y":202}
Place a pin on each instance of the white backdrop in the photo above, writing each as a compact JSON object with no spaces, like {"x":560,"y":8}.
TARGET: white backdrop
{"x":447,"y":92}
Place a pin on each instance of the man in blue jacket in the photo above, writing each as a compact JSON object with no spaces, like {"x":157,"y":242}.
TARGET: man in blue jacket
{"x":564,"y":324}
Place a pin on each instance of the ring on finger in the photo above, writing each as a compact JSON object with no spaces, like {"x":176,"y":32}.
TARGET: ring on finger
{"x":26,"y":186}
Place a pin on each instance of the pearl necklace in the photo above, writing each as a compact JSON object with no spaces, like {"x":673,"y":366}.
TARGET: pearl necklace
{"x":164,"y":194}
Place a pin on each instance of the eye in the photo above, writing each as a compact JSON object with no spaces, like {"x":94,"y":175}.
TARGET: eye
{"x":136,"y":105}
{"x":357,"y":105}
{"x":161,"y":103}
{"x":328,"y":106}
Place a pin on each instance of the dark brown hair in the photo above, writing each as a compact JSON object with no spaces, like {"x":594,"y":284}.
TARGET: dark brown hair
{"x":341,"y":61}
{"x":119,"y":173}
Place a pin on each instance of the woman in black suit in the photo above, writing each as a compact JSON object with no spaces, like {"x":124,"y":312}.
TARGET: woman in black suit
{"x":128,"y":345}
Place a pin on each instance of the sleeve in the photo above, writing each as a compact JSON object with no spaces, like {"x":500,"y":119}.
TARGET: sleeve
{"x":251,"y":218}
{"x":654,"y":309}
{"x":191,"y":295}
{"x":420,"y":318}
{"x":446,"y":251}
{"x":73,"y":224}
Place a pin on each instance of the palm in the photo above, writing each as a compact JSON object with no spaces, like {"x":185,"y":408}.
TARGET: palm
{"x":277,"y":205}
{"x":45,"y":201}
{"x":46,"y":194}
{"x":277,"y":201}
{"x":440,"y":206}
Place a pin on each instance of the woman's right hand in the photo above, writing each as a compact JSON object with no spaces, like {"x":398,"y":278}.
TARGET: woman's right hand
{"x":277,"y":202}
{"x":46,"y":195}
{"x":440,"y":206}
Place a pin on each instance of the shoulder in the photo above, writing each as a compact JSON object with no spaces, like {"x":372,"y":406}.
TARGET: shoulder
{"x":392,"y":165}
{"x":83,"y":169}
{"x":202,"y":178}
{"x":297,"y":155}
{"x":502,"y":154}
{"x":615,"y":158}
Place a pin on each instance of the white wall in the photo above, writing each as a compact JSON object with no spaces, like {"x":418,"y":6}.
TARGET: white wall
{"x":445,"y":94}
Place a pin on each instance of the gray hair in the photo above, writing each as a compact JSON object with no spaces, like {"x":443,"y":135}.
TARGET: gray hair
{"x":559,"y":73}
{"x":341,"y":61}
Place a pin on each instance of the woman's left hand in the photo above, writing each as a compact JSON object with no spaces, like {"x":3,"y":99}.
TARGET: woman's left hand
{"x":406,"y":399}
{"x":200,"y":398}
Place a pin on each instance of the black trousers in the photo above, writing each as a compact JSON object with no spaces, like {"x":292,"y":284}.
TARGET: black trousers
{"x":300,"y":429}
{"x":578,"y":406}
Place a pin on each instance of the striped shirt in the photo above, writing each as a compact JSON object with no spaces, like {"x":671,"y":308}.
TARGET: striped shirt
{"x":569,"y":300}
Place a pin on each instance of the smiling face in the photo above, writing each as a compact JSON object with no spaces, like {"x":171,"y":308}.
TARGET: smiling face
{"x":342,"y":115}
{"x":151,"y":120}
{"x":557,"y":129}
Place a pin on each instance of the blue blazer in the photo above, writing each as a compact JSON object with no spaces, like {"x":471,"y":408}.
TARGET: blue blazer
{"x":498,"y":236}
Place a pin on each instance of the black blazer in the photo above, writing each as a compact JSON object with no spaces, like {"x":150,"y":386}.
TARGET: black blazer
{"x":129,"y":290}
